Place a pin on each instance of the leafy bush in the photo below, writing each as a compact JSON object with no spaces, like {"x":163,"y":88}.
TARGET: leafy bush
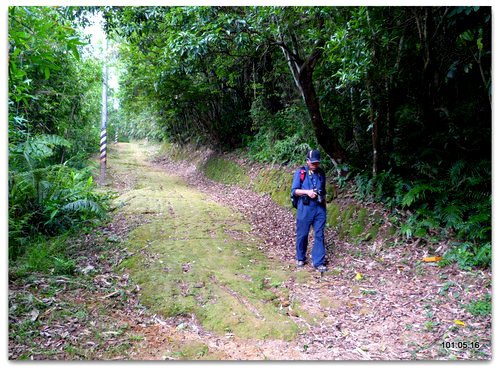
{"x":281,"y":137}
{"x":385,"y":187}
{"x":456,"y":205}
{"x":468,"y":255}
{"x":54,"y":103}
{"x":48,"y":198}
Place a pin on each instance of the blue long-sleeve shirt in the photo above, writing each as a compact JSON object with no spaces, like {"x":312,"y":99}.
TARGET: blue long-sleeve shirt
{"x":310,"y":178}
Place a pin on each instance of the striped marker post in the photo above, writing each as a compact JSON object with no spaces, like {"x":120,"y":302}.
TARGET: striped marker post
{"x":103,"y":144}
{"x":104,"y":120}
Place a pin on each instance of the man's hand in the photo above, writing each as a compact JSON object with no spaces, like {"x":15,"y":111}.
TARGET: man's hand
{"x":308,"y":192}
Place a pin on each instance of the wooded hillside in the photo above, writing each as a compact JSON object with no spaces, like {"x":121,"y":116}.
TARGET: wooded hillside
{"x":186,"y":249}
{"x":398,"y":98}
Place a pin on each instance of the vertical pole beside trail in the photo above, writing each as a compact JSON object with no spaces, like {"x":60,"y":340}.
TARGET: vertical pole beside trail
{"x":254,"y":83}
{"x":104,"y":117}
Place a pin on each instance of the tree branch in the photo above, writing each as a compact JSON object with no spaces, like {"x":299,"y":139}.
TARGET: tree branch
{"x":285,"y":48}
{"x":314,"y":57}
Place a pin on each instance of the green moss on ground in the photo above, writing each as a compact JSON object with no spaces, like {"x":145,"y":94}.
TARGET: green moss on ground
{"x":193,"y":351}
{"x":225,"y":171}
{"x":197,"y":256}
{"x":276,"y":183}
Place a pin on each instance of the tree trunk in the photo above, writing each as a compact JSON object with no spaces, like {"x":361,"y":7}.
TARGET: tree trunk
{"x":390,"y":134}
{"x":302,"y":72}
{"x":325,"y":136}
{"x":373,"y":106}
{"x":375,"y":130}
{"x":430,"y":89}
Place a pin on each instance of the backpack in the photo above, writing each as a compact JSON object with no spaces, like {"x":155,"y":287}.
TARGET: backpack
{"x":294,"y":198}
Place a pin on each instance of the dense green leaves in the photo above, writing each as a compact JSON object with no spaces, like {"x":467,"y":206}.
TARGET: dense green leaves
{"x":54,"y":108}
{"x":404,"y":92}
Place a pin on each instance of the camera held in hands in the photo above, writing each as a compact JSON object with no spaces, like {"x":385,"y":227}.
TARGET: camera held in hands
{"x":319,"y":194}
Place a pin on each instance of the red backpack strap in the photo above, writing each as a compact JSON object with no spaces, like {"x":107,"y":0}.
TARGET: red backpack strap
{"x":302,"y":175}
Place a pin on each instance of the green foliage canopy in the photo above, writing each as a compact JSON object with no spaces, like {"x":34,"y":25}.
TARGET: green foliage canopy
{"x":403,"y":93}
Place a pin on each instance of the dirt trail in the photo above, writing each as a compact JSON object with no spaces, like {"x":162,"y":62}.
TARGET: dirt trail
{"x":401,"y":309}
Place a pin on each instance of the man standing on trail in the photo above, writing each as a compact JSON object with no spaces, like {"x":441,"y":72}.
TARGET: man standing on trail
{"x":309,"y":185}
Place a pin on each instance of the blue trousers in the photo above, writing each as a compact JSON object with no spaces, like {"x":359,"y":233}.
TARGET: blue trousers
{"x":311,"y":215}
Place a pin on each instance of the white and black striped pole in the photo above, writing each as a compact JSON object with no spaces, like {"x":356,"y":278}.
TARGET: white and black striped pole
{"x":103,"y":157}
{"x":104,"y":118}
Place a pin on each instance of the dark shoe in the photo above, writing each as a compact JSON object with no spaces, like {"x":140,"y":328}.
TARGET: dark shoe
{"x":321,"y":268}
{"x":300,"y":263}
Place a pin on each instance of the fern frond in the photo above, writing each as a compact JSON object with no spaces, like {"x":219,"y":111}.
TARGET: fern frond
{"x":426,"y":169}
{"x":84,"y":206}
{"x":418,"y":193}
{"x":43,"y":190}
{"x":40,"y":147}
{"x":406,"y":231}
{"x":52,"y":140}
{"x":452,"y":215}
{"x":36,"y":150}
{"x":20,"y":186}
{"x":456,"y":173}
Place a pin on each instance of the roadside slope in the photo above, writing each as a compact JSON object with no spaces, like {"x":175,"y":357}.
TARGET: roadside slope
{"x":402,"y":308}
